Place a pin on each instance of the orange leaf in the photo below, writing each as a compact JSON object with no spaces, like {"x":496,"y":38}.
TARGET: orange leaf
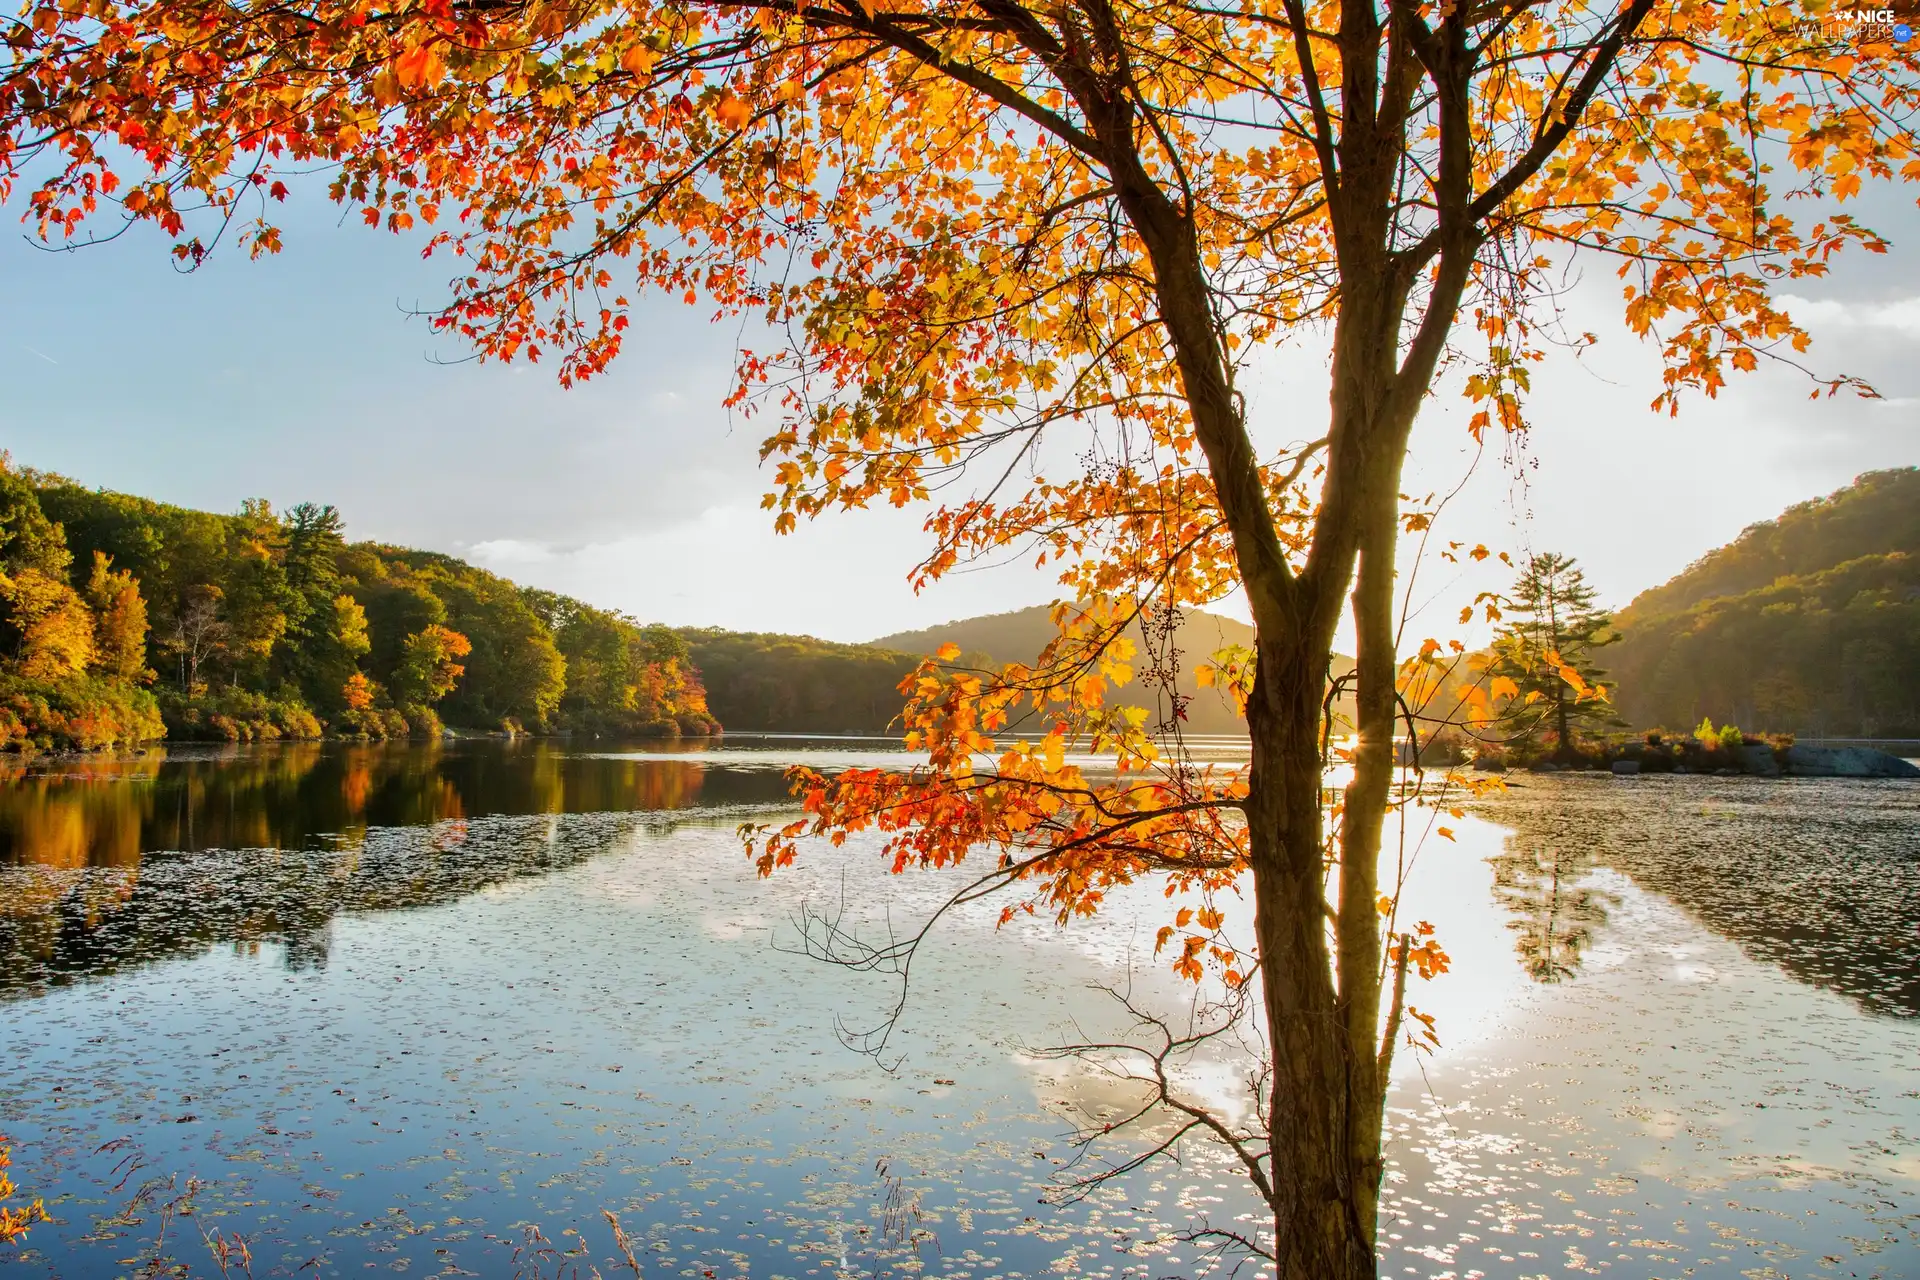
{"x":732,"y":111}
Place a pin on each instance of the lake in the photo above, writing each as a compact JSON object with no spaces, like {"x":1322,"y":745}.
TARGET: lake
{"x":442,"y":1009}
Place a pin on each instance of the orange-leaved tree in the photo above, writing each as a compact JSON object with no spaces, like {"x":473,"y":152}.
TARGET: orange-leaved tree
{"x":1047,"y":242}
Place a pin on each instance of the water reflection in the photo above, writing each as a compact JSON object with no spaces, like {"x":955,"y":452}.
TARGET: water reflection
{"x":108,"y":813}
{"x":608,"y":1027}
{"x":1554,"y":913}
{"x":117,"y":862}
{"x":1818,"y":876}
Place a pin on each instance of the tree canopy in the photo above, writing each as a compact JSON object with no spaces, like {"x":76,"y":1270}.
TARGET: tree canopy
{"x":267,"y":625}
{"x":73,"y":640}
{"x":799,"y":684}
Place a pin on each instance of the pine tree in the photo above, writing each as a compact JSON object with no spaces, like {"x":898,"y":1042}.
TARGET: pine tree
{"x":1553,"y":631}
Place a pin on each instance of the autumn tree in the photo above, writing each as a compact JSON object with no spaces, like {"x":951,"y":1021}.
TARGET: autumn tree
{"x":515,"y":673}
{"x":71,"y":661}
{"x":119,"y":621}
{"x":1547,"y":653}
{"x":261,"y":602}
{"x":45,"y":626}
{"x":45,"y":629}
{"x":397,"y":605}
{"x":28,"y":539}
{"x":430,"y":665}
{"x":1051,"y":243}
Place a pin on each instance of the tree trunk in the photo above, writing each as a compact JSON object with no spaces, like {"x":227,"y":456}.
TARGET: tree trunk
{"x":1322,"y":1007}
{"x":1324,"y":1202}
{"x":1322,"y":1010}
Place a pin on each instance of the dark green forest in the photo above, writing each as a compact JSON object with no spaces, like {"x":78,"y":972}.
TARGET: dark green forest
{"x":1806,"y":624}
{"x":797,"y":684}
{"x":125,"y":617}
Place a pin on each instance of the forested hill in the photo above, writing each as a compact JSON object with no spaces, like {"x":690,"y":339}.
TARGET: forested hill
{"x":771,"y":683}
{"x":1878,"y":513}
{"x":798,"y":684}
{"x":1020,"y":635}
{"x":118,"y":612}
{"x":1809,"y":623}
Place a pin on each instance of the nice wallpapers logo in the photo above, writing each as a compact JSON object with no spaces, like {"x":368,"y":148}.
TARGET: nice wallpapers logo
{"x":1889,"y":24}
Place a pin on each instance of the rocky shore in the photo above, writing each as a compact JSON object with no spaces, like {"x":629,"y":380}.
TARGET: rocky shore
{"x":1766,"y":761}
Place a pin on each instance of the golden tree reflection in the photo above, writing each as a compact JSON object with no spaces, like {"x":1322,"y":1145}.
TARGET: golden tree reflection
{"x":109,"y":861}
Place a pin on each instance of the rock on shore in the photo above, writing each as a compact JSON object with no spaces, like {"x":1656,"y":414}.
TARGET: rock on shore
{"x":1846,"y":762}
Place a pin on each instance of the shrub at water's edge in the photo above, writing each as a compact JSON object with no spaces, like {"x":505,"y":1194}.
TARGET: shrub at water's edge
{"x":236,"y":715}
{"x":1706,"y":750}
{"x":1725,"y":750}
{"x":75,"y":713}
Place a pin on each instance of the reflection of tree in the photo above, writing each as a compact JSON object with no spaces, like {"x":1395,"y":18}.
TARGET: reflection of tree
{"x":306,"y":950}
{"x":89,"y":814}
{"x":107,"y":863}
{"x":1554,"y":917}
{"x":1818,"y":876}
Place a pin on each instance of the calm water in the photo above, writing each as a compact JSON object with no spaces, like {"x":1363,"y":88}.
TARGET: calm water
{"x":438,"y":1010}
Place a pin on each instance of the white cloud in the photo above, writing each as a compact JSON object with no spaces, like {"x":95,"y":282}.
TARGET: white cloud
{"x":842,"y":577}
{"x":1901,"y":316}
{"x":502,"y":553}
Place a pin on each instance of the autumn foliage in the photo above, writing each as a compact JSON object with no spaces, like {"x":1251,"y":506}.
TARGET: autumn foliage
{"x":1048,"y":245}
{"x":72,"y":668}
{"x":122,"y":619}
{"x":14,"y":1223}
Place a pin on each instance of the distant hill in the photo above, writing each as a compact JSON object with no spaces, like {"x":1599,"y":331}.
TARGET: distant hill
{"x":800,"y":684}
{"x":769,"y":683}
{"x":1020,"y":635}
{"x":1808,"y":624}
{"x":1879,"y":512}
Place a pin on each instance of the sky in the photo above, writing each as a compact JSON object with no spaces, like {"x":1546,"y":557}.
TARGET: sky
{"x":305,"y":377}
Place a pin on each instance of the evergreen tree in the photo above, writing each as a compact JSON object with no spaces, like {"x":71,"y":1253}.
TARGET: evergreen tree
{"x":327,"y":631}
{"x":1553,"y":630}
